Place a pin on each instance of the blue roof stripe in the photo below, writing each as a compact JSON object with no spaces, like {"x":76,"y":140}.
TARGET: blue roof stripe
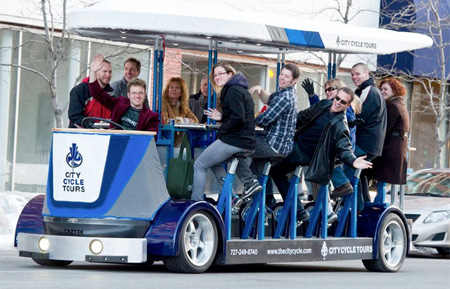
{"x":313,"y":39}
{"x":304,"y":38}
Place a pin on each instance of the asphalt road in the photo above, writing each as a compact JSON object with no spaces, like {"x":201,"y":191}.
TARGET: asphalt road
{"x":423,"y":270}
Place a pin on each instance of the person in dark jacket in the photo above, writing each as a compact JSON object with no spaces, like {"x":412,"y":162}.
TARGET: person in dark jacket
{"x":82,"y":104}
{"x":235,"y":135}
{"x":322,"y":135}
{"x":131,"y":69}
{"x":341,"y":182}
{"x":391,"y":166}
{"x":130,"y":112}
{"x":198,"y":102}
{"x":371,"y":133}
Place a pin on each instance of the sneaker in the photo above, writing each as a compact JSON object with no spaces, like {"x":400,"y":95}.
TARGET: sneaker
{"x":301,"y":217}
{"x":345,"y":189}
{"x":332,"y":217}
{"x":251,"y":189}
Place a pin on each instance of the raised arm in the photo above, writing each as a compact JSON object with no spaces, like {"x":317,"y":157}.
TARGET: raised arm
{"x":263,"y":94}
{"x":96,"y":65}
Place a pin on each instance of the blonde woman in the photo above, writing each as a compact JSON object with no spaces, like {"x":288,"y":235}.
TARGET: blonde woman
{"x":175,"y":105}
{"x":175,"y":101}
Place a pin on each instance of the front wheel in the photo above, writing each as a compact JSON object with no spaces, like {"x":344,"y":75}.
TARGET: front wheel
{"x":198,"y":245}
{"x":391,"y":246}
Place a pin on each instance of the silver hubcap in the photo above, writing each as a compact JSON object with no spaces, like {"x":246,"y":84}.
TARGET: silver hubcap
{"x":393,"y":244}
{"x":199,"y":240}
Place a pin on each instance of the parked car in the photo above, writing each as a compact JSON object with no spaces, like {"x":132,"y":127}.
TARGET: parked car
{"x":427,"y":203}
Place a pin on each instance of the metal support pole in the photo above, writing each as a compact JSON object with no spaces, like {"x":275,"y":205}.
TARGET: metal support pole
{"x":334,"y":65}
{"x":329,"y":66}
{"x":278,"y":69}
{"x":155,"y":78}
{"x":210,"y":60}
{"x":401,"y":196}
{"x":160,"y":73}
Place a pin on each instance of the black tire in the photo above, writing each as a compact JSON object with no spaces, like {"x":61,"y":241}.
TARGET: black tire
{"x":391,"y":246}
{"x":51,"y":263}
{"x":197,"y":245}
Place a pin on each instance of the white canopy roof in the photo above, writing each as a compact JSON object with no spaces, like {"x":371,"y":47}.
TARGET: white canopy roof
{"x":192,"y":25}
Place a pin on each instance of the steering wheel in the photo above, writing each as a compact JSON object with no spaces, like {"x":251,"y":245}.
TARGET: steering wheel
{"x":87,"y":122}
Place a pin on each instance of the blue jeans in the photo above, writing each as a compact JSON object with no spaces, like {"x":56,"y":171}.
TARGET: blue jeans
{"x":212,"y":158}
{"x":279,"y":171}
{"x":263,"y":151}
{"x":339,"y":178}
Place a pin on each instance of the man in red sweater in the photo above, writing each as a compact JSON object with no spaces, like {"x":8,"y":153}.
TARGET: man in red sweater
{"x":130,"y":112}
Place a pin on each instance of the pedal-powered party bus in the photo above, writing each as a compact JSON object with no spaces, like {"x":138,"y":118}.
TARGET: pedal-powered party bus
{"x":107,"y":200}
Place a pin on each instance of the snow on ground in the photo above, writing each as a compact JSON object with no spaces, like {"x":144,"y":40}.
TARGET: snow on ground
{"x":11,"y":205}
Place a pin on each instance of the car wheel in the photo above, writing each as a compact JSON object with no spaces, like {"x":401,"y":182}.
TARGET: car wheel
{"x":197,"y":243}
{"x":52,"y":263}
{"x":391,"y":246}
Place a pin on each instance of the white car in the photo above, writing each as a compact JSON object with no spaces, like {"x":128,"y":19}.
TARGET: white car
{"x":427,"y":203}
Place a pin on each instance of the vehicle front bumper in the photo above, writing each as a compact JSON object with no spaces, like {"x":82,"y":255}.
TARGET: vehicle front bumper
{"x":434,"y":235}
{"x":70,"y":248}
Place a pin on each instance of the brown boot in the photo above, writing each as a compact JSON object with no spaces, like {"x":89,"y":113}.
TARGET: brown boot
{"x":345,"y":189}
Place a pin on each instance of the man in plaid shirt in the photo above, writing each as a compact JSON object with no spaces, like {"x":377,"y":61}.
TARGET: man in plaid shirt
{"x":278,"y":120}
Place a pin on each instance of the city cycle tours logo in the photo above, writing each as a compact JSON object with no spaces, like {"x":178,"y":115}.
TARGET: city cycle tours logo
{"x":324,"y":250}
{"x":355,"y":43}
{"x":74,"y":159}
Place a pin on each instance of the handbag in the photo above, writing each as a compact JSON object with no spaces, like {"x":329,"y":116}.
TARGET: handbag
{"x":181,"y":172}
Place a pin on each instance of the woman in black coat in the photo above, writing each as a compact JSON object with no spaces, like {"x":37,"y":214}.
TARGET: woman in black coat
{"x":391,"y":166}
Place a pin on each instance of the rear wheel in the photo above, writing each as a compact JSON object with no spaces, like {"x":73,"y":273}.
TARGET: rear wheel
{"x":52,"y":263}
{"x":391,"y":246}
{"x":197,"y":243}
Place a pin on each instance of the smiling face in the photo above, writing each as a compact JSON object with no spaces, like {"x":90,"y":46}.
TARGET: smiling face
{"x":386,"y":90}
{"x":130,"y":71}
{"x":286,"y":79}
{"x":137,"y":96}
{"x":341,"y":101}
{"x":330,"y":91}
{"x":221,"y":76}
{"x":104,"y":74}
{"x":359,"y":75}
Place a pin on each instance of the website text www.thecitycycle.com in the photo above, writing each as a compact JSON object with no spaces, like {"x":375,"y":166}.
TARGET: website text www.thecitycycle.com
{"x":289,"y":251}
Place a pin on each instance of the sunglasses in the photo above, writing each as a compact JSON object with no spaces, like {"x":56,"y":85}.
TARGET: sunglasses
{"x":337,"y":98}
{"x":330,"y":89}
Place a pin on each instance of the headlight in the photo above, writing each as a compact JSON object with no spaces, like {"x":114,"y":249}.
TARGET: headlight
{"x":96,"y":247}
{"x":437,"y":217}
{"x":43,"y":244}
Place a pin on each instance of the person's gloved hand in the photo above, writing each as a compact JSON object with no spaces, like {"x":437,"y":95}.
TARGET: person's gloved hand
{"x":308,"y":86}
{"x":356,"y":122}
